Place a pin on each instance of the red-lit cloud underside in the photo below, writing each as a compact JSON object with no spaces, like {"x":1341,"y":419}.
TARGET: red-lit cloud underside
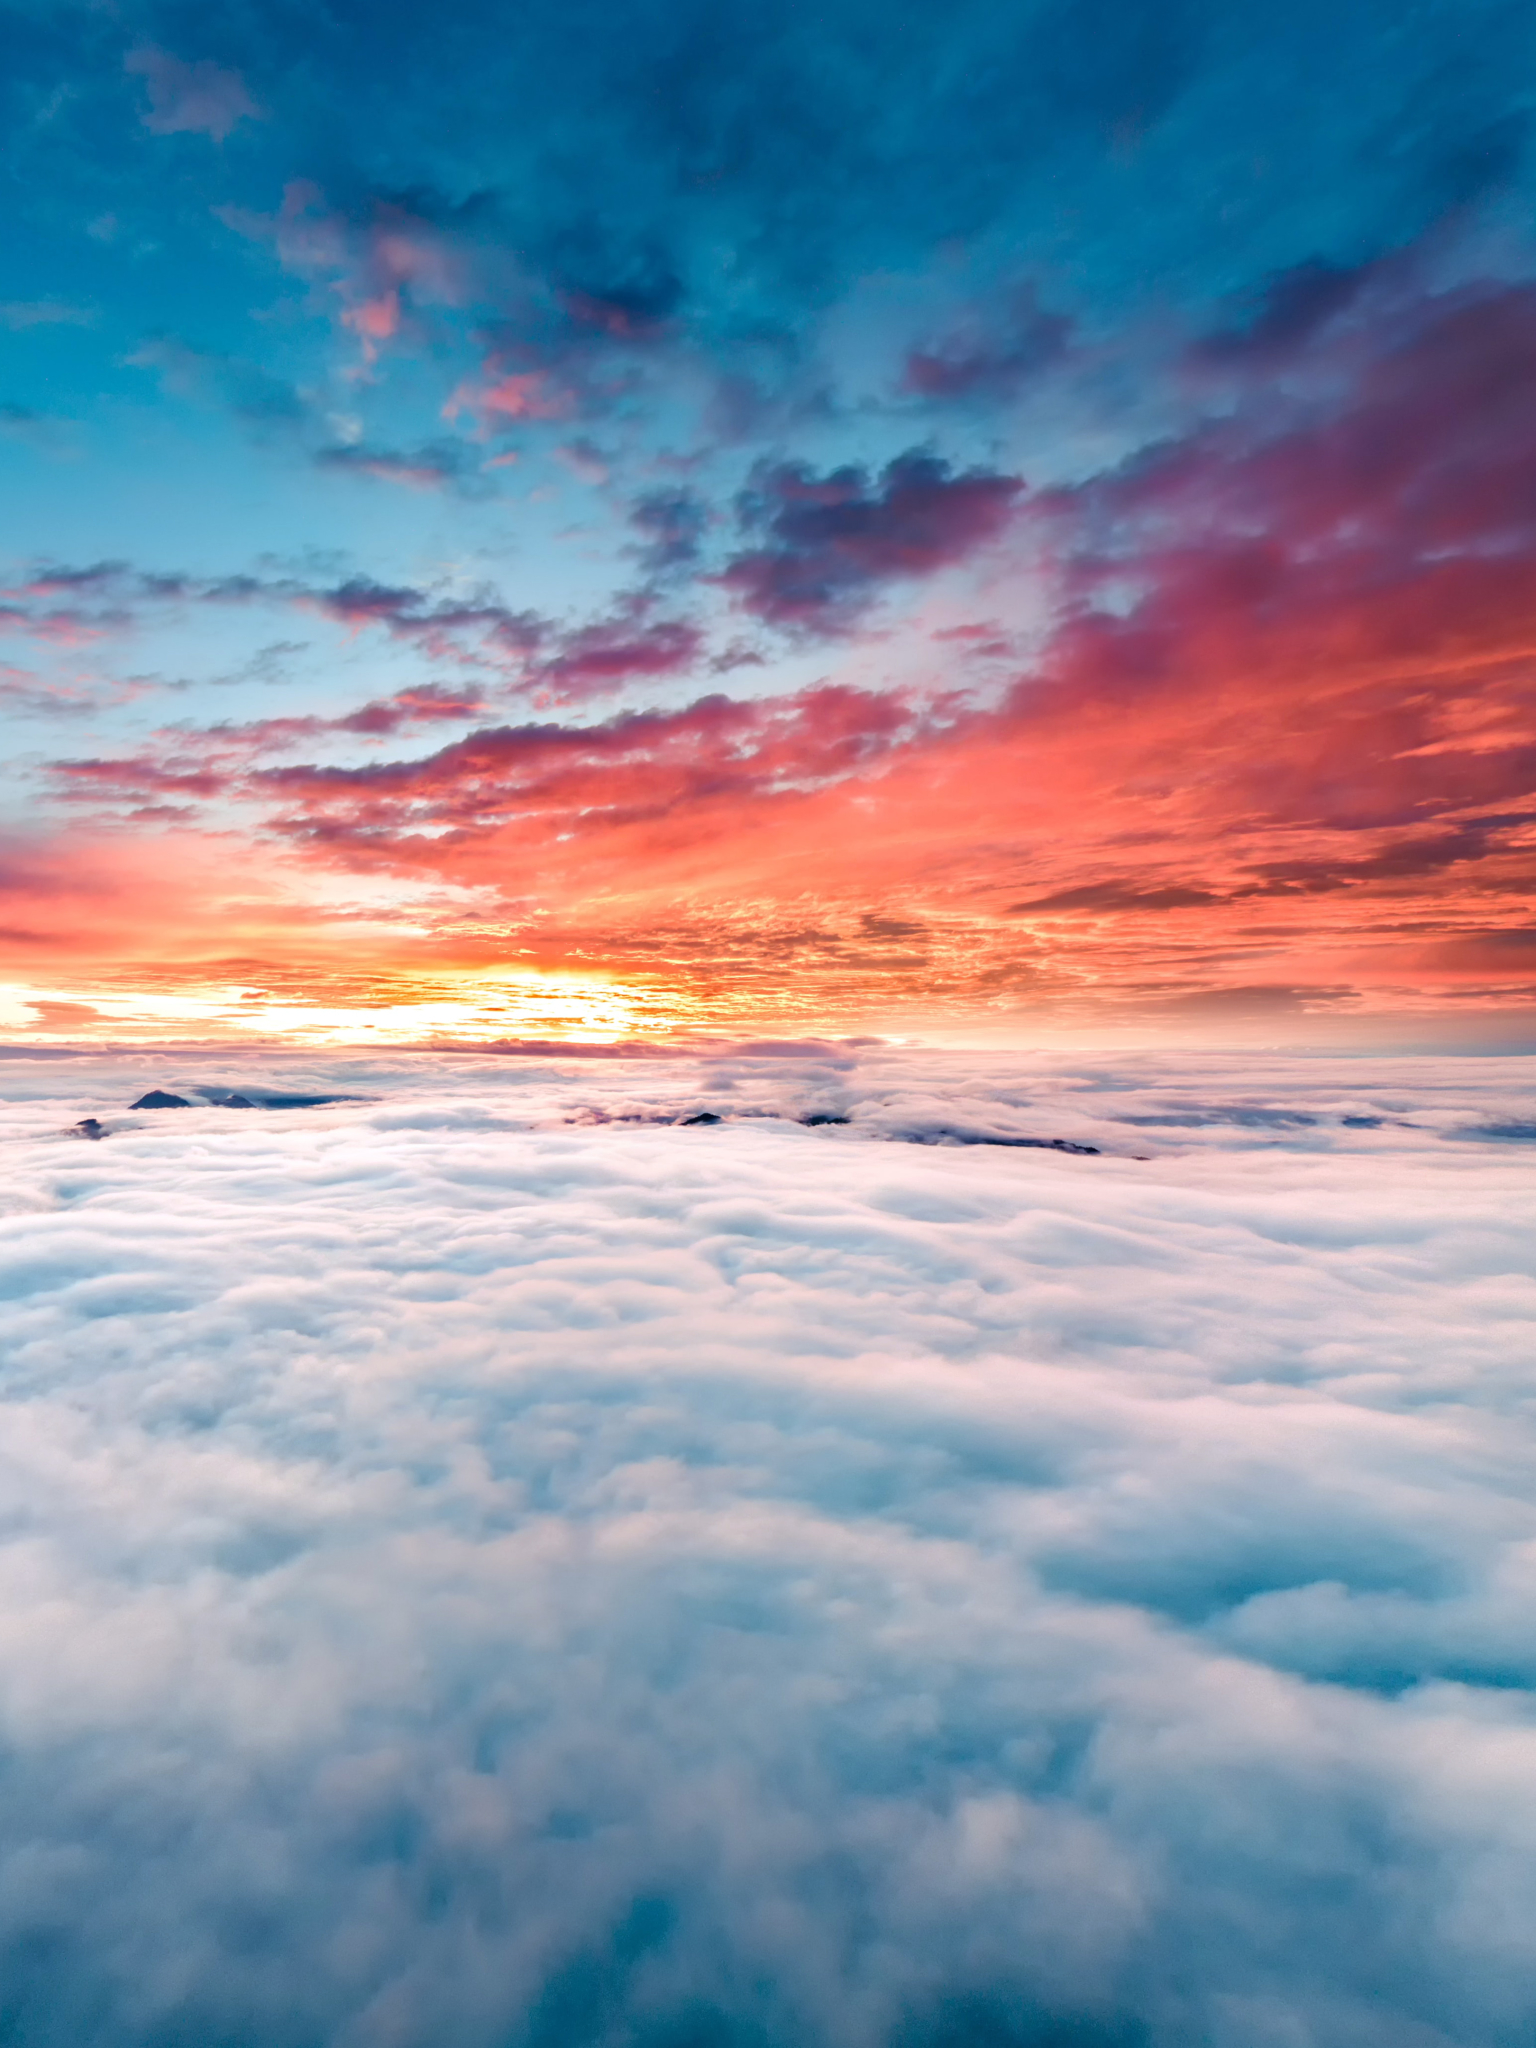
{"x":1279,"y":746}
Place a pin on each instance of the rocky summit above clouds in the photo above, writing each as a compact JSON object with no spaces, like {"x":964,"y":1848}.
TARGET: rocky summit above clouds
{"x":218,"y":1098}
{"x":1131,"y":1105}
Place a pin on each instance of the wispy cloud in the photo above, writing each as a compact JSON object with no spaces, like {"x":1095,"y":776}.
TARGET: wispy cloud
{"x":197,"y":98}
{"x":21,"y":314}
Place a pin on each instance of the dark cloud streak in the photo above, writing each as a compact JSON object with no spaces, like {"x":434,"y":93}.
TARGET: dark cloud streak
{"x":829,"y":545}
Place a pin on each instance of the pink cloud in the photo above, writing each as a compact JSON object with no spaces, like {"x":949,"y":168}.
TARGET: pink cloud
{"x":200,"y":98}
{"x":376,"y":319}
{"x":515,"y":395}
{"x":1281,"y":737}
{"x":381,"y":265}
{"x":435,"y":468}
{"x":598,"y":659}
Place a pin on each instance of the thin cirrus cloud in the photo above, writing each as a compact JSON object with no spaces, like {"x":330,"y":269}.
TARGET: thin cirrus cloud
{"x":196,"y":98}
{"x":988,"y":352}
{"x":21,"y":314}
{"x":435,"y":466}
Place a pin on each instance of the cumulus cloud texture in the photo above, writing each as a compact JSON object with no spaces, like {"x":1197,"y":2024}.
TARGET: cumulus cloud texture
{"x":486,"y":1561}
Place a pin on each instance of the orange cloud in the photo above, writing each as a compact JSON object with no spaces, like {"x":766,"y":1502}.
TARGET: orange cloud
{"x":1276,"y":759}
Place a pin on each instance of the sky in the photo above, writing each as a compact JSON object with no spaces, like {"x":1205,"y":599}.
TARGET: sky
{"x":486,"y":1560}
{"x":636,"y":520}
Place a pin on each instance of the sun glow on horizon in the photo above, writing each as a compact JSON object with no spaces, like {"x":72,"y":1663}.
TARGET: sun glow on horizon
{"x":469,"y":1008}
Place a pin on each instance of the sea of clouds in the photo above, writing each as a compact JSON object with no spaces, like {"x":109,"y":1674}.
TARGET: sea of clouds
{"x":485,"y":1563}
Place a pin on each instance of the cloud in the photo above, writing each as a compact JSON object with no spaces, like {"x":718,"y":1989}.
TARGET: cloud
{"x":476,"y":629}
{"x":1117,"y":896}
{"x":384,"y":261}
{"x":27,"y":693}
{"x":1288,"y":310}
{"x":266,"y":403}
{"x":557,"y":321}
{"x":424,"y":703}
{"x":830,"y":543}
{"x":211,"y":762}
{"x":112,"y":595}
{"x":475,"y":1575}
{"x":20,"y":314}
{"x":47,"y":432}
{"x":672,"y":524}
{"x":479,"y":630}
{"x":141,"y":776}
{"x":503,"y":395}
{"x":64,"y":1016}
{"x":1269,"y":728}
{"x":113,"y":895}
{"x":991,"y":353}
{"x":635,"y":765}
{"x":600,"y":658}
{"x":629,"y":295}
{"x":732,"y":173}
{"x":440,"y":465}
{"x":200,"y":98}
{"x":205,"y":376}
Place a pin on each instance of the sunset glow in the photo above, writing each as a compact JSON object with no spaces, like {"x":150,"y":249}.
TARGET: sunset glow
{"x":465,"y":1008}
{"x":936,"y":622}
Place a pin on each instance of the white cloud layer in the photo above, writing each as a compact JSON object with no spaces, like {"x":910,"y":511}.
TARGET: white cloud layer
{"x":478,"y":1571}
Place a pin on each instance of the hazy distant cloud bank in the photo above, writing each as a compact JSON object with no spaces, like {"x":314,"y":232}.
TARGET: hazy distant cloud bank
{"x":472,"y":1576}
